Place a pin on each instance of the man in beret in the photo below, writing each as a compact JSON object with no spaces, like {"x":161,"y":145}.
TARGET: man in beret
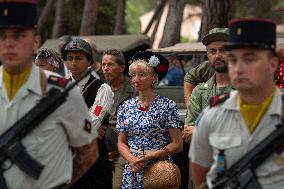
{"x":232,"y":126}
{"x":218,"y":84}
{"x":22,"y":85}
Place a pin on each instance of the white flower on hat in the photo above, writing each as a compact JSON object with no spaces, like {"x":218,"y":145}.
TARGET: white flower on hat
{"x":153,"y":61}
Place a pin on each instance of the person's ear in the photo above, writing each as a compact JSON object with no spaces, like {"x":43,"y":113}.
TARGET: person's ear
{"x":37,"y":40}
{"x":122,"y":68}
{"x":274,"y":63}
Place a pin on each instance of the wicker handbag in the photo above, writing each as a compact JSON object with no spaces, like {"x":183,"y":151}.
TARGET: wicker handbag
{"x":162,"y":174}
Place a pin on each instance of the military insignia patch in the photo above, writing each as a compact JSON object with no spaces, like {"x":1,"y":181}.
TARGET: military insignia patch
{"x":97,"y":110}
{"x":239,"y":31}
{"x":5,"y":13}
{"x":215,"y":100}
{"x":59,"y":81}
{"x":88,"y":126}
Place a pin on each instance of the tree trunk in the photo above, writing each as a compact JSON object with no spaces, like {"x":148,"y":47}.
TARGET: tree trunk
{"x":119,"y":27}
{"x":89,"y":18}
{"x":58,"y":23}
{"x":153,"y":35}
{"x":172,"y":28}
{"x":158,"y":11}
{"x":45,"y":14}
{"x":216,"y":13}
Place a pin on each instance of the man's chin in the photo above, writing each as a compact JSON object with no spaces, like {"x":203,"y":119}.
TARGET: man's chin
{"x":221,"y":69}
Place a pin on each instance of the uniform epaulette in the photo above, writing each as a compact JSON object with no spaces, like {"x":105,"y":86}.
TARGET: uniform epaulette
{"x":218,"y":99}
{"x":58,"y":81}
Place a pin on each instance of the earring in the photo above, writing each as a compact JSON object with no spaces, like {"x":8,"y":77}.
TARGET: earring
{"x":154,"y":84}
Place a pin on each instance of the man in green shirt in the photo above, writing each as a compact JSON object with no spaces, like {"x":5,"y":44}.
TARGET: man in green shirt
{"x":113,"y":65}
{"x":218,"y":84}
{"x":200,"y":74}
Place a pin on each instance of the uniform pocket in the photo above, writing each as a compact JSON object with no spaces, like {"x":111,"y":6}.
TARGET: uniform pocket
{"x":225,"y":141}
{"x":231,"y":144}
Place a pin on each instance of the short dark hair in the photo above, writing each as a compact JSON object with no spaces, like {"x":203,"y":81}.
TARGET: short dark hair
{"x":119,"y":57}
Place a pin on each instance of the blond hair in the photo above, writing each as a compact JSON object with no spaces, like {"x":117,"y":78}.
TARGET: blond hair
{"x":142,"y":64}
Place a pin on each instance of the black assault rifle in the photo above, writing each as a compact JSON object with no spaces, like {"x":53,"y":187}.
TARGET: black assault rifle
{"x":242,"y":173}
{"x":11,"y":148}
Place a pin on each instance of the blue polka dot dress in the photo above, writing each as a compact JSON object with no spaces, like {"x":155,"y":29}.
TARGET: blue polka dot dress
{"x":146,"y":128}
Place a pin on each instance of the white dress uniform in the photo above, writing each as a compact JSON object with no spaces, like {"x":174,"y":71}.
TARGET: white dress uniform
{"x":223,"y":128}
{"x":50,"y":143}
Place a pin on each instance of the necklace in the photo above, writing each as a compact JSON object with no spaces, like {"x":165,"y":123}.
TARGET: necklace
{"x":145,"y":107}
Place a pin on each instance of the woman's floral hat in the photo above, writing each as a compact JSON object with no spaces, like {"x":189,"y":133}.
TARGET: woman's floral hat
{"x":50,"y":56}
{"x":158,"y":62}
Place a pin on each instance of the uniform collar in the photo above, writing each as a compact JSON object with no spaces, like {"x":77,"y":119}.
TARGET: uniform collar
{"x":32,"y":85}
{"x":33,"y":82}
{"x":83,"y":82}
{"x":274,"y":108}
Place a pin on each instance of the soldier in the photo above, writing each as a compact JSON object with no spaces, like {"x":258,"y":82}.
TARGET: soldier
{"x":218,"y":84}
{"x":200,"y":74}
{"x":99,"y":99}
{"x":113,"y":65}
{"x":22,"y":85}
{"x":233,"y":125}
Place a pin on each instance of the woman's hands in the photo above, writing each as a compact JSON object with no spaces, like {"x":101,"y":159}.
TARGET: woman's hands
{"x":138,"y":163}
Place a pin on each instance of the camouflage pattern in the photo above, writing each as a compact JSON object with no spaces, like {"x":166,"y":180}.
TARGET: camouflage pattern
{"x":200,"y":97}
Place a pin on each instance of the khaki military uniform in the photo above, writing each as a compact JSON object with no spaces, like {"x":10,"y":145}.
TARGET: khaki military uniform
{"x":200,"y":96}
{"x":200,"y":74}
{"x":125,"y":93}
{"x":50,"y":143}
{"x":222,"y":127}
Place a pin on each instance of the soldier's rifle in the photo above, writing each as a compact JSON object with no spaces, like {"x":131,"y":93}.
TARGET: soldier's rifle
{"x":12,"y":150}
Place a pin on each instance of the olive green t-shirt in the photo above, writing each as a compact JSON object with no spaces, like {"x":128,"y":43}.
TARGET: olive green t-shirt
{"x":200,"y":74}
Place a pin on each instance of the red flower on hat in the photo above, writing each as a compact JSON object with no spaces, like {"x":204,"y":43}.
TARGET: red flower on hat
{"x":162,"y":68}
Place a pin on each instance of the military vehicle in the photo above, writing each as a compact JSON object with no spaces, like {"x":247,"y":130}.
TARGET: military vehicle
{"x":128,"y":44}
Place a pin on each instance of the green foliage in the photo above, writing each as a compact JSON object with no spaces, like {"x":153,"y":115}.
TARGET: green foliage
{"x":106,"y":18}
{"x":259,"y":9}
{"x":135,"y":9}
{"x":73,"y":11}
{"x":184,"y":39}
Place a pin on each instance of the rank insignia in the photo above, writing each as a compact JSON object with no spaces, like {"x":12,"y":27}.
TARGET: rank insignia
{"x":59,"y":81}
{"x":88,"y":126}
{"x":218,"y":99}
{"x":5,"y":12}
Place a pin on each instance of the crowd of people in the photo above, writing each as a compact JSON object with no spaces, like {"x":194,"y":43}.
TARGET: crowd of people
{"x":112,"y":128}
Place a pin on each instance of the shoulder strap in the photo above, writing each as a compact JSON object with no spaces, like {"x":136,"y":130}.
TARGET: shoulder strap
{"x":58,"y":81}
{"x":218,"y":99}
{"x":43,"y":81}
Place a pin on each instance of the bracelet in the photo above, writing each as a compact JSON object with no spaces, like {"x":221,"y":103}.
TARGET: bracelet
{"x":167,"y":150}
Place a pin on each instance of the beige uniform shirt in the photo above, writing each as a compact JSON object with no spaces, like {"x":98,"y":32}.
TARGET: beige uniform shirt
{"x":50,"y":142}
{"x":222,"y":127}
